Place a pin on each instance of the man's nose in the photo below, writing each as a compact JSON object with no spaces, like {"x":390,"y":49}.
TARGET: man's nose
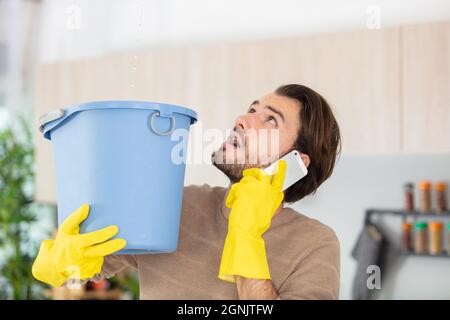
{"x":245,"y":122}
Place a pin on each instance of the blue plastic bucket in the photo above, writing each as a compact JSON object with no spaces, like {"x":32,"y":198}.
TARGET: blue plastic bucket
{"x":118,"y":157}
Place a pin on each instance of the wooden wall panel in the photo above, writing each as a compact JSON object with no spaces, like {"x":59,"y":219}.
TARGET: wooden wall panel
{"x":426,"y":87}
{"x":357,"y":73}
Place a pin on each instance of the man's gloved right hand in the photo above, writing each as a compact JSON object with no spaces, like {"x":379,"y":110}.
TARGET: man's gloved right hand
{"x":75,"y":255}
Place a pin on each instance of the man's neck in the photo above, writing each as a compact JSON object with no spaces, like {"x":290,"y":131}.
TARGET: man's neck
{"x":226,"y":211}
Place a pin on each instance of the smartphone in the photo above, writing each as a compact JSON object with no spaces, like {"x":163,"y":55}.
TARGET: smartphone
{"x":295,"y":169}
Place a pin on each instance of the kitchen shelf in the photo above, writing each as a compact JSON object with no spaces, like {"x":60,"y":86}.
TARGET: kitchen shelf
{"x":404,"y":214}
{"x":441,"y":255}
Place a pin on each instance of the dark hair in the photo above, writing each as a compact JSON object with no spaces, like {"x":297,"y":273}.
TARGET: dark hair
{"x":318,"y":137}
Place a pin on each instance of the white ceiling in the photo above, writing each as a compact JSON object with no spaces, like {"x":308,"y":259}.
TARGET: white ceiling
{"x":113,"y":25}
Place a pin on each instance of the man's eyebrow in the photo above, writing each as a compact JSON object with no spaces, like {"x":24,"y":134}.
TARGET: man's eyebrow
{"x":253,"y":104}
{"x":278,"y":112}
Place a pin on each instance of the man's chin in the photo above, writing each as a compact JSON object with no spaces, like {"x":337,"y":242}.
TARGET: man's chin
{"x":231,"y":168}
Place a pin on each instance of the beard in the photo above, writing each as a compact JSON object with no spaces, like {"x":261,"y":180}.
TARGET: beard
{"x":239,"y":152}
{"x":234,"y":171}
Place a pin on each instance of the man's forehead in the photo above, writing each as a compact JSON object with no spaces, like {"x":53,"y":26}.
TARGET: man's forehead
{"x":277,"y":100}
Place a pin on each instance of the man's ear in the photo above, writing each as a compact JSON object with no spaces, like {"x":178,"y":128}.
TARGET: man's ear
{"x":306,"y":159}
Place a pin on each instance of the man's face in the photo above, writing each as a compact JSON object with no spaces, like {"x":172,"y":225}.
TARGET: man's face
{"x":262,"y":135}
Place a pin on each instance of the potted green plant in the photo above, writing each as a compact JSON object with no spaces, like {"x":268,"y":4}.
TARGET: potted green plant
{"x":17,"y":215}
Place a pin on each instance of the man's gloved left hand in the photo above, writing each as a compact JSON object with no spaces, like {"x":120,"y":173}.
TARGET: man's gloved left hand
{"x":253,"y":201}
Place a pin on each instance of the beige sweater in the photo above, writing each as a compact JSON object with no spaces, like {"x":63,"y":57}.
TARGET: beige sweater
{"x":303,"y":255}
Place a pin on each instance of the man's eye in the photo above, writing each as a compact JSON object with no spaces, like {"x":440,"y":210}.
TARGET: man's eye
{"x":251,"y":110}
{"x":272,"y":120}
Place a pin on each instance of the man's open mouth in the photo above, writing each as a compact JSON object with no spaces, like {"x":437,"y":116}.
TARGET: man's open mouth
{"x":235,"y":139}
{"x":235,"y":142}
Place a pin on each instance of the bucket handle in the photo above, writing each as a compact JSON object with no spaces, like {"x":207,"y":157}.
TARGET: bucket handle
{"x":161,"y":133}
{"x":50,"y":116}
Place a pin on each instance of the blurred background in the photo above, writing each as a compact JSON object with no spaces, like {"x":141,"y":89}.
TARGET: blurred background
{"x":384,"y":66}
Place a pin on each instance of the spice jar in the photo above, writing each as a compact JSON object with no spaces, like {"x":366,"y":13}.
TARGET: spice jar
{"x":420,"y":237}
{"x":441,"y":197}
{"x":425,"y":196}
{"x":448,"y":239}
{"x":409,"y":197}
{"x":407,"y":244}
{"x":435,"y":237}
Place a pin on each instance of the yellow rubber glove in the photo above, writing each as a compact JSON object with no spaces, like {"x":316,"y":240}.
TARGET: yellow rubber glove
{"x":74,"y":255}
{"x":253,"y":201}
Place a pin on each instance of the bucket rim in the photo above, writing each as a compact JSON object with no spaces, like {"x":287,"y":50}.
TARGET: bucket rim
{"x":54,"y":118}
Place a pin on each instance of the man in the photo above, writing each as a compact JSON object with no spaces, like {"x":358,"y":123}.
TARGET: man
{"x":239,"y":242}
